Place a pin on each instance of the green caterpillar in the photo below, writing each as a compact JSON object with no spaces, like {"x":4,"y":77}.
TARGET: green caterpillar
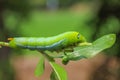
{"x":56,"y":43}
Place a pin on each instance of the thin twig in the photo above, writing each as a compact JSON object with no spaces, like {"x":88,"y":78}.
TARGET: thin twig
{"x":47,"y":56}
{"x":4,"y":44}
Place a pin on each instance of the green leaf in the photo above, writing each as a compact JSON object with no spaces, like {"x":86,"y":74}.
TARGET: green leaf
{"x":60,"y":72}
{"x":53,"y":76}
{"x":90,"y":51}
{"x":40,"y":67}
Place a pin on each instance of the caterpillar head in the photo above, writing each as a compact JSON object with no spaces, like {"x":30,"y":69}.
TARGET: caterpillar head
{"x":74,"y":37}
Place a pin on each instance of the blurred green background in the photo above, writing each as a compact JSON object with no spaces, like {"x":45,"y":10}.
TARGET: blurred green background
{"x":92,"y":18}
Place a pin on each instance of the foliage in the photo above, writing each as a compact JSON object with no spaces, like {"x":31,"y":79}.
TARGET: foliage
{"x":80,"y":52}
{"x":57,"y":70}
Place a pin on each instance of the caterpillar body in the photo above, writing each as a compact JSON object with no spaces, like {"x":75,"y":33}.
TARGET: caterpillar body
{"x":55,"y":43}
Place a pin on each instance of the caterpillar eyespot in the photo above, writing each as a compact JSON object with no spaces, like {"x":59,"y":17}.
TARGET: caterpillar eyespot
{"x":54,"y":43}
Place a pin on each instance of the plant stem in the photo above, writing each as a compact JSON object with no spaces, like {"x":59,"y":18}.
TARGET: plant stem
{"x":4,"y":44}
{"x":47,"y":56}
